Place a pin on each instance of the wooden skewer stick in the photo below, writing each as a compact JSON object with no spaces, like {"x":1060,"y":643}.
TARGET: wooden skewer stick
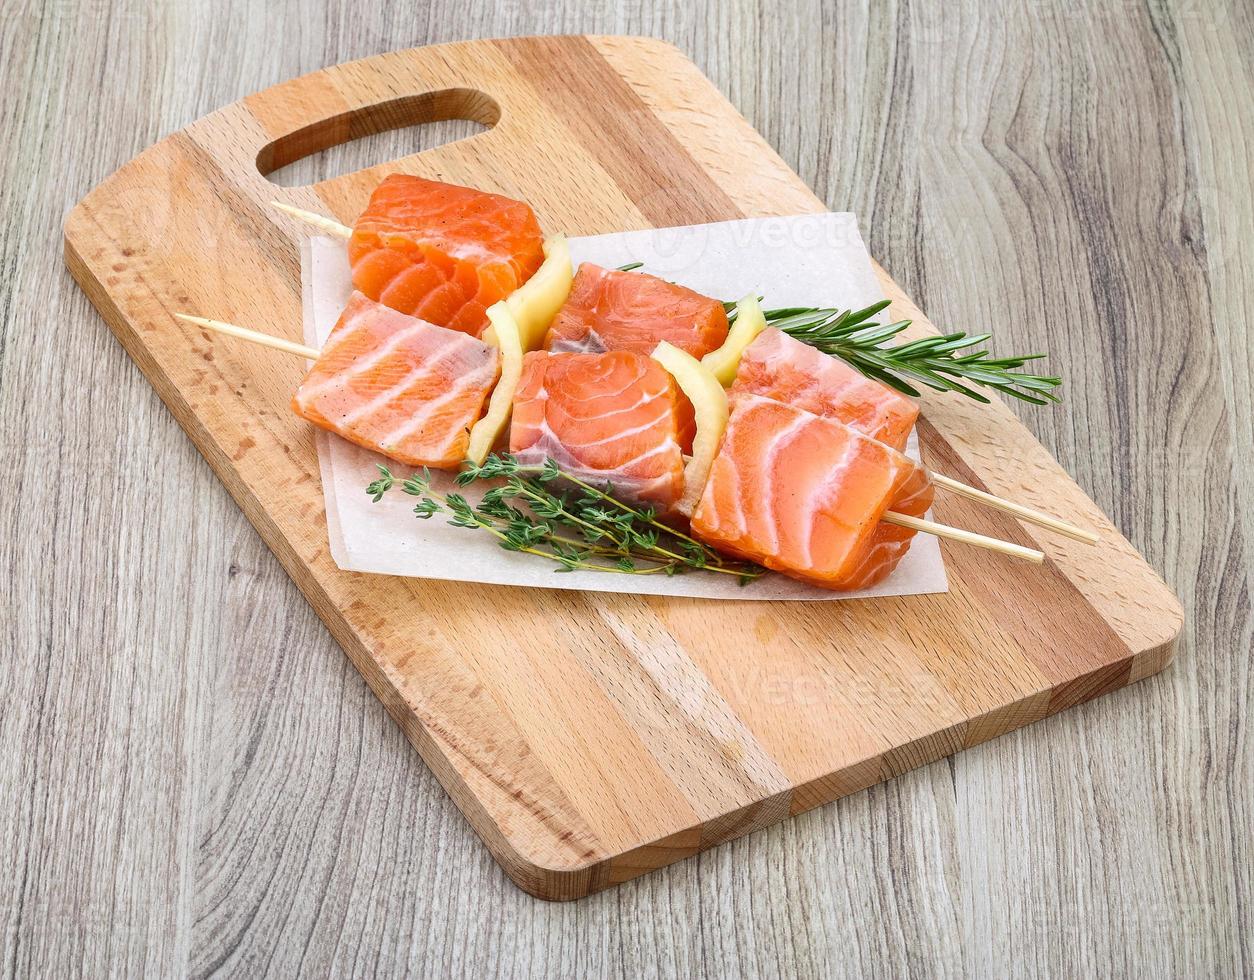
{"x":329,"y":225}
{"x":902,"y":520}
{"x":1019,"y":510}
{"x":966,"y":537}
{"x":1024,"y":513}
{"x":253,"y":336}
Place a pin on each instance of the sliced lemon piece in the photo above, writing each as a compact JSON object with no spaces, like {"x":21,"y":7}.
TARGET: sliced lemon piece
{"x":507,"y":336}
{"x":709,"y":403}
{"x":535,"y":303}
{"x":749,"y":323}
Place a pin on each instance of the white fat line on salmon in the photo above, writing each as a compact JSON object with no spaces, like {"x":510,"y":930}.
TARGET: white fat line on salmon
{"x":389,"y":297}
{"x":606,"y":369}
{"x":872,"y":555}
{"x":827,"y":490}
{"x":430,"y":361}
{"x":350,"y":328}
{"x":637,"y":489}
{"x":564,"y":454}
{"x":640,"y":402}
{"x":549,"y":447}
{"x":660,"y":416}
{"x":461,"y":251}
{"x":363,"y":364}
{"x":767,"y":466}
{"x":429,"y":410}
{"x":645,"y":398}
{"x":903,"y":504}
{"x":564,"y":346}
{"x":663,"y":449}
{"x":742,"y":519}
{"x":395,"y":295}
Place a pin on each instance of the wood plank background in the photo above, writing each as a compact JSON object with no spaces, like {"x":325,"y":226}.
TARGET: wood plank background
{"x":193,"y":780}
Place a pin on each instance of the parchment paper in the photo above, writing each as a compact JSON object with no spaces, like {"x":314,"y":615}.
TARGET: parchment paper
{"x":810,"y":260}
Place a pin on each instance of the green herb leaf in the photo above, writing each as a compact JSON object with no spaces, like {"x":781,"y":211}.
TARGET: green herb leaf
{"x":934,"y":362}
{"x":529,"y":509}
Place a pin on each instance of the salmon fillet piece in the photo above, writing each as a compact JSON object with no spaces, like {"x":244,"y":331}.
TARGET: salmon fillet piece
{"x":399,"y":385}
{"x":604,"y":418}
{"x":803,"y":495}
{"x":612,"y":310}
{"x":783,"y":368}
{"x":443,"y":253}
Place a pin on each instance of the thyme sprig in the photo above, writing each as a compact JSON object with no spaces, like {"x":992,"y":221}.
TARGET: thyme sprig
{"x":943,"y":363}
{"x":584,"y":528}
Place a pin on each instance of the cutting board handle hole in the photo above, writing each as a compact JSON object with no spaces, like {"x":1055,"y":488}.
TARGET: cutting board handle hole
{"x":375,"y":134}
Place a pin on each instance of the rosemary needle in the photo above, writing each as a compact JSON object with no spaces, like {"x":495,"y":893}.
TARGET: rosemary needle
{"x":943,"y":363}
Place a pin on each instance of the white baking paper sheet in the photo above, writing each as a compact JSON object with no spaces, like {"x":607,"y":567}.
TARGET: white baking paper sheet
{"x":806,"y":260}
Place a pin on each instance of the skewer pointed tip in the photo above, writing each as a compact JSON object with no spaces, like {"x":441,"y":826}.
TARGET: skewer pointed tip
{"x":1021,"y":511}
{"x":252,"y":336}
{"x":327,"y":225}
{"x":965,"y":536}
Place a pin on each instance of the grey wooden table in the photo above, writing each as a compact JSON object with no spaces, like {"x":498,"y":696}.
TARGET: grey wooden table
{"x":193,"y":780}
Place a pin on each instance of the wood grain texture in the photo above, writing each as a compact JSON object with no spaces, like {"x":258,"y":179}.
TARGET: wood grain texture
{"x":186,"y":797}
{"x":590,"y":738}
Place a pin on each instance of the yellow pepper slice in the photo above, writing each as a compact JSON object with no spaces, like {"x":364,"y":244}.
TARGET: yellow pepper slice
{"x":709,"y":402}
{"x":507,"y":336}
{"x":535,"y":303}
{"x":749,"y":323}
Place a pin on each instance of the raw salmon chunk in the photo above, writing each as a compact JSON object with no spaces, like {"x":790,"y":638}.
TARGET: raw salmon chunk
{"x":441,"y":252}
{"x":399,"y":385}
{"x":612,"y":310}
{"x":804,"y":495}
{"x":783,"y":368}
{"x":604,"y":418}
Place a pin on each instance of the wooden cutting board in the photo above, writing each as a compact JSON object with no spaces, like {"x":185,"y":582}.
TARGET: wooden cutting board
{"x":590,"y":738}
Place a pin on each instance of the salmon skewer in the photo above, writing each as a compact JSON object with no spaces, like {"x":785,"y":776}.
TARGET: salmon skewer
{"x":399,"y":385}
{"x":905,"y":520}
{"x":394,"y":384}
{"x":810,"y":497}
{"x":778,"y":366}
{"x":653,"y":292}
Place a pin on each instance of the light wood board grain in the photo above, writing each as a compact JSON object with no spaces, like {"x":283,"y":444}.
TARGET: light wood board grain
{"x":124,"y":802}
{"x":591,"y":737}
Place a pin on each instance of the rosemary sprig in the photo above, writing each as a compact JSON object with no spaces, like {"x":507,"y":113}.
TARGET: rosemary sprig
{"x":587,"y":529}
{"x":936,"y":362}
{"x":943,"y":363}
